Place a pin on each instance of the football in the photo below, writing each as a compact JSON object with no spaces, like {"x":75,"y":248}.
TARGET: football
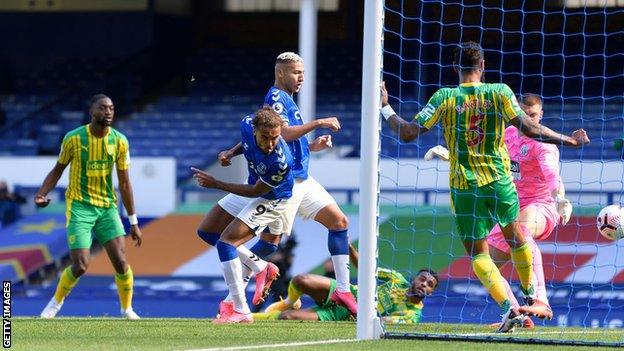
{"x":609,"y":222}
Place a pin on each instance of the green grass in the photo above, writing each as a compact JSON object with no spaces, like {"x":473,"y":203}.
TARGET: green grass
{"x":181,"y":334}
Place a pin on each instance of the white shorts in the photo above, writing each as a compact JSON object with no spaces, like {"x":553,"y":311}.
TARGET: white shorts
{"x":308,"y":198}
{"x":234,"y":204}
{"x":261,"y":213}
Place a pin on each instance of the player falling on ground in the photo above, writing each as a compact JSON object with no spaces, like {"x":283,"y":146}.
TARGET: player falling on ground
{"x":398,"y":300}
{"x":310,"y":199}
{"x":91,"y":202}
{"x":535,"y":169}
{"x":270,"y":165}
{"x":473,"y":117}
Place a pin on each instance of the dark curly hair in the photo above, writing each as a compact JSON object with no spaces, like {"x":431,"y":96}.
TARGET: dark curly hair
{"x":467,"y":56}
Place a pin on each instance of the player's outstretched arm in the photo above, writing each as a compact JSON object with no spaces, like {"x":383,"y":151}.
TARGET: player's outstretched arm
{"x":41,"y":199}
{"x":544,"y":134}
{"x":127,"y":197}
{"x":407,"y":131}
{"x":290,"y":133}
{"x":225,"y":157}
{"x":247,"y":190}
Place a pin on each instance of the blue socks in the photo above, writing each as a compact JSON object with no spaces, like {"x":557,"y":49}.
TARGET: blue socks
{"x":338,"y":242}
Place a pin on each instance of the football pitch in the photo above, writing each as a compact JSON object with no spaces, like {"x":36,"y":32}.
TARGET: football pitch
{"x":201,"y":334}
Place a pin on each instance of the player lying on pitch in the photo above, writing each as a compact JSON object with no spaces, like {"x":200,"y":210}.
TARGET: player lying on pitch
{"x":398,"y":300}
{"x":535,"y":170}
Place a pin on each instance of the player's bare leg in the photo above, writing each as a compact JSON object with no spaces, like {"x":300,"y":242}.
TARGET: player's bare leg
{"x":332,"y":217}
{"x":68,"y":279}
{"x":124,"y":278}
{"x":299,"y":315}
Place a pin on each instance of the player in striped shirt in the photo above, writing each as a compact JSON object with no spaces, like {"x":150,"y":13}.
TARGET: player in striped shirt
{"x":535,"y":169}
{"x":399,"y":300}
{"x":91,"y":201}
{"x":473,"y":117}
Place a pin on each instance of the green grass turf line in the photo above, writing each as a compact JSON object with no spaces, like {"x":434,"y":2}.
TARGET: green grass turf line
{"x":183,"y":334}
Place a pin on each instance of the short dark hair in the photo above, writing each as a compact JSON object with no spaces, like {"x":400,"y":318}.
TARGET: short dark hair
{"x":467,"y":56}
{"x":432,"y":272}
{"x":266,"y":117}
{"x":529,"y":99}
{"x":97,"y":97}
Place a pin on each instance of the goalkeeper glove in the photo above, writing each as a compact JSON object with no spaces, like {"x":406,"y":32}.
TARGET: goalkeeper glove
{"x":439,"y":151}
{"x":564,"y":208}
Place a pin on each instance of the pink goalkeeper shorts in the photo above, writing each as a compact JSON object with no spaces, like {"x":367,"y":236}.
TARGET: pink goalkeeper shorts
{"x":549,"y":211}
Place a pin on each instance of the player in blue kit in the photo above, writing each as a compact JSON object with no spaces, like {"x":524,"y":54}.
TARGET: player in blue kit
{"x":310,"y":199}
{"x":270,"y":181}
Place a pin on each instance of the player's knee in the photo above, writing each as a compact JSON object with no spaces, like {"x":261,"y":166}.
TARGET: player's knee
{"x":340,"y":223}
{"x":301,"y":280}
{"x":343,"y":222}
{"x":79,"y":267}
{"x":120,"y":265}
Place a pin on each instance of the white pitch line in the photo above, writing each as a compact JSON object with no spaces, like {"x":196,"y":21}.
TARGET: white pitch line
{"x":548,"y":332}
{"x":291,"y":344}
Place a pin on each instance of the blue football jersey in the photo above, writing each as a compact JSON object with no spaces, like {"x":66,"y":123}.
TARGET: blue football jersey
{"x":274,"y":169}
{"x":283,"y":103}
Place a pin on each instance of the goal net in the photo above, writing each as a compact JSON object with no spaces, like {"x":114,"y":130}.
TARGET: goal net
{"x":569,"y":54}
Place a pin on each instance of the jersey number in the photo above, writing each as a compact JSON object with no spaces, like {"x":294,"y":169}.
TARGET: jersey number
{"x":475,"y":134}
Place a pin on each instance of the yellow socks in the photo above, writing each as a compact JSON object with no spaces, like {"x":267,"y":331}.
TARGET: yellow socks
{"x":266,"y":316}
{"x":490,"y":277}
{"x":65,"y":285}
{"x":522,"y":259}
{"x":294,"y":294}
{"x":124,"y":288}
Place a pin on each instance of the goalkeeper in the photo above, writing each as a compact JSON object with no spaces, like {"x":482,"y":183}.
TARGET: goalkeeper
{"x":398,"y":300}
{"x":473,"y":116}
{"x":535,"y":169}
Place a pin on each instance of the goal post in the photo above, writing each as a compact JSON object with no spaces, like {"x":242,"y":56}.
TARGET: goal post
{"x":368,"y":324}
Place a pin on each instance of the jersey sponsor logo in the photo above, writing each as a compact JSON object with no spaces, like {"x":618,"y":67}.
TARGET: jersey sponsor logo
{"x":278,"y":107}
{"x":261,"y":168}
{"x":480,"y":106}
{"x":99,"y":165}
{"x":298,"y":115}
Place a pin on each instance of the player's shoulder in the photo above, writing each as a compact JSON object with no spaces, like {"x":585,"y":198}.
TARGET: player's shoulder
{"x":76,"y":132}
{"x":444,"y":93}
{"x":498,"y":88}
{"x":246,"y":122}
{"x":511,"y":131}
{"x":277,"y":95}
{"x":117,"y":135}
